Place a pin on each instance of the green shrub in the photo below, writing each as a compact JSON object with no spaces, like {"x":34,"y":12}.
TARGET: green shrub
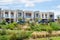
{"x":11,"y":25}
{"x":14,"y":23}
{"x":3,"y":32}
{"x":23,"y":35}
{"x":40,"y":27}
{"x":0,"y":26}
{"x":3,"y":22}
{"x":20,"y":35}
{"x":13,"y":36}
{"x":55,"y":26}
{"x":4,"y":37}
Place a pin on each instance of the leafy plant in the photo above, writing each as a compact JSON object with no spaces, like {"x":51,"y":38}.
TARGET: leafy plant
{"x":20,"y":35}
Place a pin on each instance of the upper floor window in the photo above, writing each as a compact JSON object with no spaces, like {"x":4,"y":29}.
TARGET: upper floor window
{"x":6,"y":14}
{"x":51,"y":16}
{"x":42,"y":15}
{"x":12,"y":14}
{"x":46,"y":15}
{"x":36,"y":15}
{"x":19,"y":14}
{"x":28,"y":15}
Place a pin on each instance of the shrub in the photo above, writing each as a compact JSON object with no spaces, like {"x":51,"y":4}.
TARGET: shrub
{"x":11,"y":25}
{"x":4,"y":37}
{"x":40,"y":27}
{"x":55,"y":26}
{"x":14,"y":23}
{"x":23,"y":35}
{"x":39,"y":34}
{"x":3,"y":22}
{"x":3,"y":32}
{"x":13,"y":36}
{"x":20,"y":35}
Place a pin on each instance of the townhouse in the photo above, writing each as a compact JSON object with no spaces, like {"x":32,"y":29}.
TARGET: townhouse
{"x":14,"y":15}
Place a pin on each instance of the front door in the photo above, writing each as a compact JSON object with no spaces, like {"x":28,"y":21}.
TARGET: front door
{"x":7,"y":20}
{"x":12,"y":20}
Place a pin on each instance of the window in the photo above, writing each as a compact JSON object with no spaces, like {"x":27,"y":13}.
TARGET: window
{"x":51,"y":16}
{"x":19,"y":14}
{"x":46,"y":15}
{"x":28,"y":15}
{"x":42,"y":15}
{"x":12,"y":14}
{"x":36,"y":15}
{"x":6,"y":14}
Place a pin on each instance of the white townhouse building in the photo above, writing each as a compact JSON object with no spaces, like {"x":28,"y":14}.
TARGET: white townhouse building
{"x":14,"y":15}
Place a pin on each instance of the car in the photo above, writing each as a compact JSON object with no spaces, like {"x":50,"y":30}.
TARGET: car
{"x":21,"y":22}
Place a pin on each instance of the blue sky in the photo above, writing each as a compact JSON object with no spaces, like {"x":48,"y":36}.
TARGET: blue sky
{"x":41,"y":5}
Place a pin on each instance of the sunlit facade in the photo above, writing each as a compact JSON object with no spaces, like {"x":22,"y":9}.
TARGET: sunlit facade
{"x":14,"y":15}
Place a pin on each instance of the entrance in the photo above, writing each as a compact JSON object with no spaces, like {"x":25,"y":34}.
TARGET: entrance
{"x":9,"y":20}
{"x":12,"y":20}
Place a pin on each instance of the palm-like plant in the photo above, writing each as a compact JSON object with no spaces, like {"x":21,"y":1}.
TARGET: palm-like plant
{"x":58,"y":19}
{"x":36,"y":19}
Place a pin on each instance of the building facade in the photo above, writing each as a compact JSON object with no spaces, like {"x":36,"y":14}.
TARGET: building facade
{"x":14,"y":15}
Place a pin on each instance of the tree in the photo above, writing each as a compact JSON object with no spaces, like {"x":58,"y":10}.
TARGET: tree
{"x":19,"y":19}
{"x":58,"y":18}
{"x":36,"y":19}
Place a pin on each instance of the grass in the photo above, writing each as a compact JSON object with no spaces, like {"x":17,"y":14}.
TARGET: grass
{"x":53,"y":38}
{"x":32,"y":28}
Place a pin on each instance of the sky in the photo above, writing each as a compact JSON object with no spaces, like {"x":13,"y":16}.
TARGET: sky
{"x":33,"y":5}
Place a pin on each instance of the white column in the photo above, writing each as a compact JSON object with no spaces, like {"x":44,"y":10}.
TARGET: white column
{"x":14,"y":16}
{"x":44,"y":16}
{"x":9,"y":13}
{"x":24,"y":15}
{"x":41,"y":15}
{"x":48,"y":16}
{"x":32,"y":15}
{"x":4,"y":14}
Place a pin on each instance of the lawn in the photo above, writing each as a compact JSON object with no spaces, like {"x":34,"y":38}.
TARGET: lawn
{"x":53,"y":38}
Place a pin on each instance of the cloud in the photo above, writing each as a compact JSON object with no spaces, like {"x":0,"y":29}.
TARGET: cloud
{"x":5,"y":2}
{"x":27,"y":3}
{"x":31,"y":3}
{"x":58,"y":6}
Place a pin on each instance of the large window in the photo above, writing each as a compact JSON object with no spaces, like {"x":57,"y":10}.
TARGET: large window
{"x":12,"y":14}
{"x":51,"y":16}
{"x":42,"y":15}
{"x":28,"y":15}
{"x":6,"y":14}
{"x":19,"y":14}
{"x":37,"y":15}
{"x":45,"y":15}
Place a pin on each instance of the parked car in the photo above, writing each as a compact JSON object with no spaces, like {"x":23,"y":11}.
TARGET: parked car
{"x":21,"y":22}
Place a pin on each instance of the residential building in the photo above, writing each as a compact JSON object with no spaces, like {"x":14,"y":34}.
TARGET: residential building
{"x":14,"y":15}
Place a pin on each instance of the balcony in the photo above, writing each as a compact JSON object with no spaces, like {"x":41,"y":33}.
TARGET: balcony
{"x":28,"y":15}
{"x":12,"y":16}
{"x":6,"y":16}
